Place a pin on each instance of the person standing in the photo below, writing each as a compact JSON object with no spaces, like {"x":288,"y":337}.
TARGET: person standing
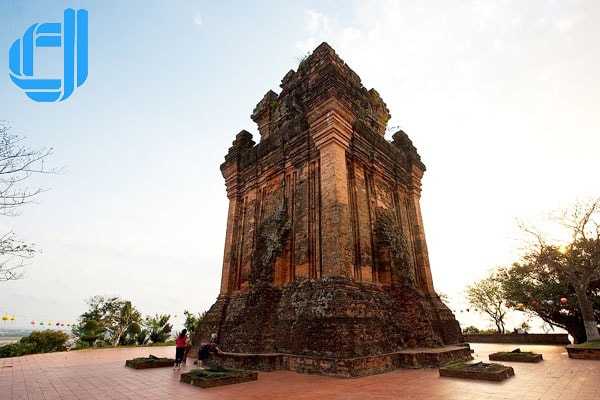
{"x":181,"y":344}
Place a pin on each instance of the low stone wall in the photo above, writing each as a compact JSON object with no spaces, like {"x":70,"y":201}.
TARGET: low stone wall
{"x":345,"y":367}
{"x":257,"y":362}
{"x":583,"y":353}
{"x":519,"y":338}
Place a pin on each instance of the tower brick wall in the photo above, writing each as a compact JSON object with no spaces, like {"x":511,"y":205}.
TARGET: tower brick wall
{"x":325,"y":250}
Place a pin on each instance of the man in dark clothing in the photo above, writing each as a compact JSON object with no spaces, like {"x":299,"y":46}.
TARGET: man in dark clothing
{"x":206,"y":349}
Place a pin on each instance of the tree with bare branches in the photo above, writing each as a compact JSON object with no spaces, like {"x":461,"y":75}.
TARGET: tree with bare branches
{"x":578,"y":259}
{"x":487,"y":296}
{"x":18,"y":163}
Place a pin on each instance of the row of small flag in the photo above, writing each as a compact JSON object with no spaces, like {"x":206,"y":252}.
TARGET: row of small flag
{"x":8,"y":317}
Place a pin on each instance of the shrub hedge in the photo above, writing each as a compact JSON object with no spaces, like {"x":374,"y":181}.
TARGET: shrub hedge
{"x":37,"y":342}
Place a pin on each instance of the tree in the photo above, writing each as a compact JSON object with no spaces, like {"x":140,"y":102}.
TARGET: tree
{"x":134,"y":330}
{"x":89,"y":331}
{"x":578,"y":260}
{"x":487,"y":296}
{"x":193,"y":321}
{"x":537,"y":290}
{"x":124,"y":320}
{"x":159,"y":327}
{"x":142,"y":337}
{"x":109,"y":318}
{"x":18,"y":163}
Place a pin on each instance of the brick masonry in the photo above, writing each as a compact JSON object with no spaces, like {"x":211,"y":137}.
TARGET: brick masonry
{"x":345,"y":367}
{"x":325,"y":252}
{"x":583,"y":353}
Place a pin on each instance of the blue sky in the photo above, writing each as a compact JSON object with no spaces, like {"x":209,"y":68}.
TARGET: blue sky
{"x":499,"y":97}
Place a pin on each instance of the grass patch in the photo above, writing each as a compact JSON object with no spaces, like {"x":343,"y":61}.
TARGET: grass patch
{"x":594,"y":344}
{"x":475,"y":366}
{"x":149,"y":362}
{"x":517,"y":356}
{"x":211,"y":373}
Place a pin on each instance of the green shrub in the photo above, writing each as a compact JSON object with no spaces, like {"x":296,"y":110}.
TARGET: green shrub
{"x":80,"y":345}
{"x":15,"y":350}
{"x":37,"y":342}
{"x":46,"y":341}
{"x":88,"y":331}
{"x":471,"y":330}
{"x":102,"y":343}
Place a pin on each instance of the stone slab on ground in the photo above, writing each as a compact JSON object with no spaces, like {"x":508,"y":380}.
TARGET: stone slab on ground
{"x":149,"y":362}
{"x":520,"y":356}
{"x":582,"y":353}
{"x":478,"y":371}
{"x":206,"y":378}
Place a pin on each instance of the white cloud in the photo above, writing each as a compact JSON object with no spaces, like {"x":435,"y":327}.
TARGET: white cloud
{"x":316,"y":21}
{"x":198,"y":19}
{"x":317,"y":27}
{"x":564,"y":25}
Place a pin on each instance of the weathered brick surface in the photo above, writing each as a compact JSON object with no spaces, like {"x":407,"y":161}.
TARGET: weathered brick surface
{"x":319,"y":279}
{"x":583,"y":353}
{"x":344,"y":367}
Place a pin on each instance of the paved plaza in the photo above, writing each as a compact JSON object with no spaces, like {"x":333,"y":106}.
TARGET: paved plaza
{"x":100,"y":374}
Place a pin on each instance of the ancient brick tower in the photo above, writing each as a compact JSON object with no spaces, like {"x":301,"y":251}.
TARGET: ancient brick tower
{"x":325,"y":253}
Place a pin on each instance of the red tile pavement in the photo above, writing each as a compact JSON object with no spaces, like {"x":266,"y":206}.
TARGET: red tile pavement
{"x":100,"y":374}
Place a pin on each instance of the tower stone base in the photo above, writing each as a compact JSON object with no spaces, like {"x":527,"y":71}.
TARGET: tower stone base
{"x":347,"y":327}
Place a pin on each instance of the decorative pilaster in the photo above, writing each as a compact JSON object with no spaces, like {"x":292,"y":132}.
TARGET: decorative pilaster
{"x":330,"y":125}
{"x":230,"y":169}
{"x":422,"y":257}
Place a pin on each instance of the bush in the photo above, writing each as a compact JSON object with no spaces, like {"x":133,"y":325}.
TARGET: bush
{"x":102,"y":343}
{"x":37,"y":342}
{"x":46,"y":341}
{"x":80,"y":345}
{"x":89,"y":331}
{"x":14,"y":350}
{"x":471,"y":330}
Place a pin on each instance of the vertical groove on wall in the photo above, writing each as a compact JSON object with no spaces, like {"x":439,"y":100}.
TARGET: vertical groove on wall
{"x":257,"y":217}
{"x":354,"y":220}
{"x":240,"y":255}
{"x":374,"y":253}
{"x":312,"y":268}
{"x":293,"y":229}
{"x":231,"y":284}
{"x":318,"y":189}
